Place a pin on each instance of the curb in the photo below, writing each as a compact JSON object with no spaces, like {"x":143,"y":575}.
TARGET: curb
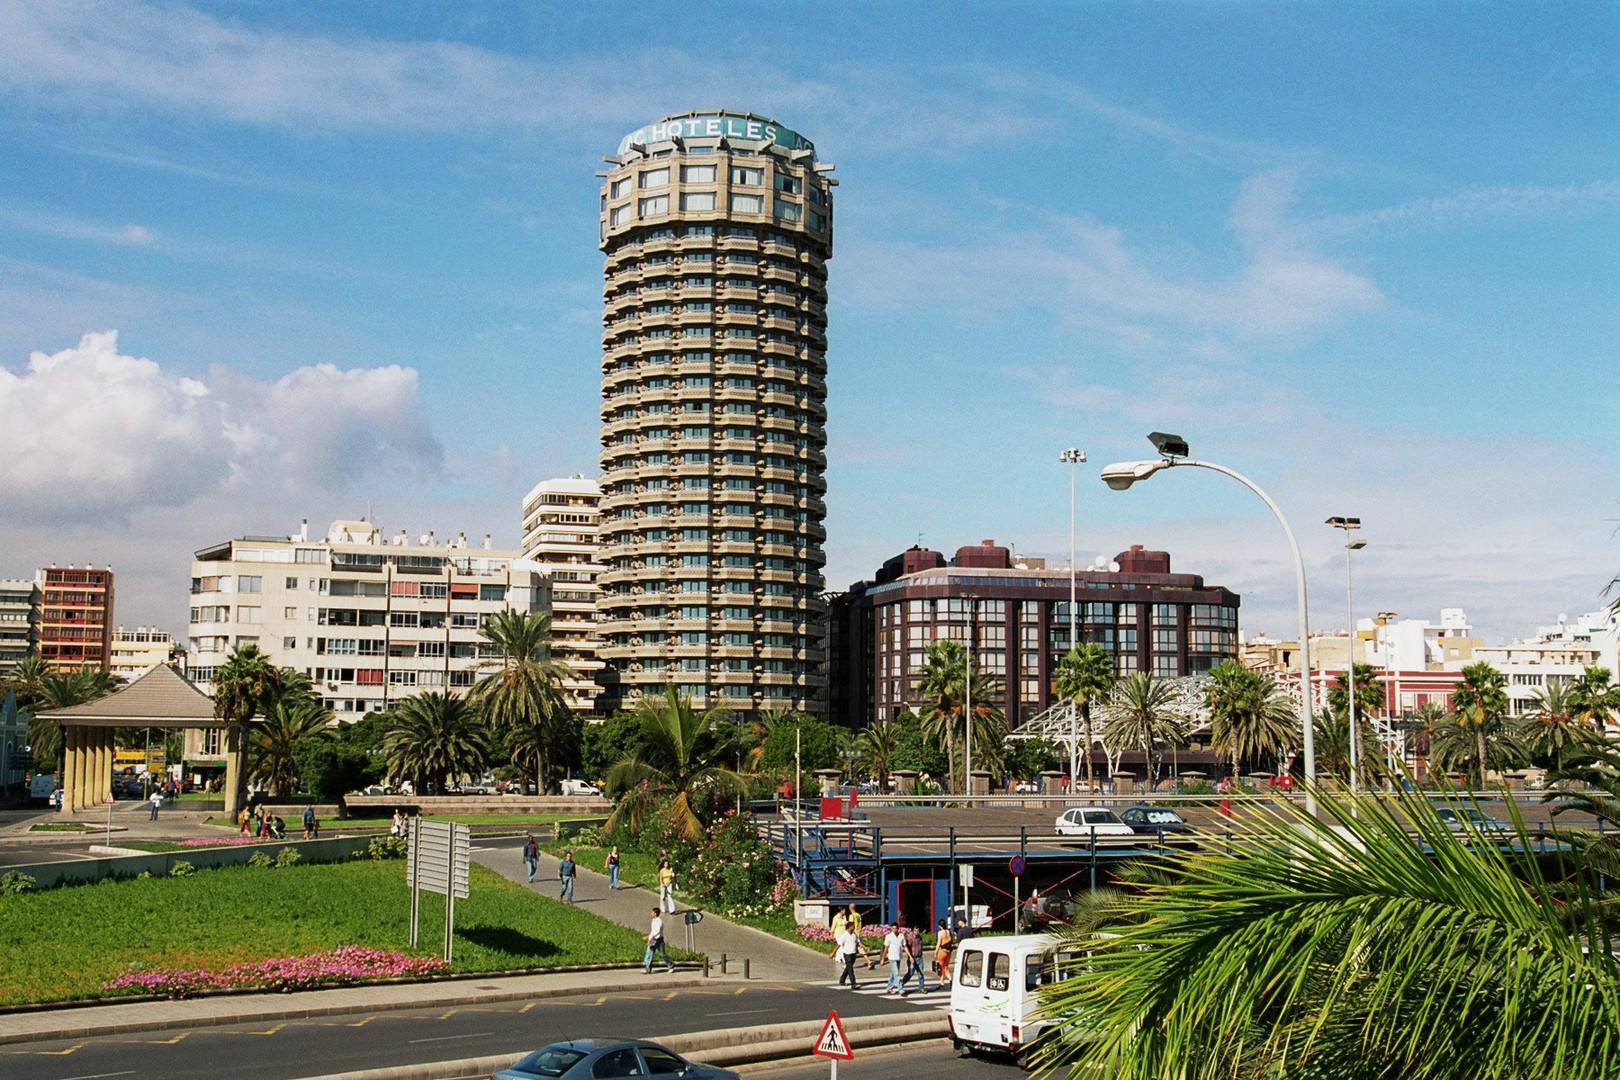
{"x":305,"y":1012}
{"x":732,"y":1046}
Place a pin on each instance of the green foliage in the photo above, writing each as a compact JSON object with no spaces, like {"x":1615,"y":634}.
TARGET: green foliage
{"x":819,"y":740}
{"x":332,"y":768}
{"x":384,"y":847}
{"x":52,"y":950}
{"x":678,"y":766}
{"x":914,"y":751}
{"x":732,"y":871}
{"x":522,"y":696}
{"x":181,"y":868}
{"x":1250,"y":716}
{"x":15,"y":881}
{"x":261,"y":860}
{"x":1026,"y":759}
{"x":434,"y":737}
{"x":1142,"y":715}
{"x":1086,"y":676}
{"x":288,"y":857}
{"x":604,"y":745}
{"x":946,"y":688}
{"x":1347,"y":948}
{"x":273,"y":745}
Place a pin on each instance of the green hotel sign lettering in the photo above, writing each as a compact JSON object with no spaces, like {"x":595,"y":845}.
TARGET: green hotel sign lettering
{"x":717,"y":126}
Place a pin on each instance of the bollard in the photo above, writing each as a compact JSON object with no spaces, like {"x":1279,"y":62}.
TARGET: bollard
{"x":722,"y":963}
{"x":705,"y":967}
{"x":748,"y":964}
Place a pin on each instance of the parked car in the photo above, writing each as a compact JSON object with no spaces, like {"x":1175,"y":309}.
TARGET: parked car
{"x":1154,"y":820}
{"x":1091,"y":821}
{"x":1457,"y":819}
{"x":590,"y":1059}
{"x":579,"y":787}
{"x":1041,"y":909}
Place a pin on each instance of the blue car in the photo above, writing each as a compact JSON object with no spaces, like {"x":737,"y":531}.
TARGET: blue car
{"x":596,"y":1059}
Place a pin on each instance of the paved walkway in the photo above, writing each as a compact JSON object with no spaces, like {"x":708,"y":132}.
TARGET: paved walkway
{"x":769,"y":956}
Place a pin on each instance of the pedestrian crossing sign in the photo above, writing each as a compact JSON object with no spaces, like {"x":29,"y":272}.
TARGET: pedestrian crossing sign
{"x":832,"y":1042}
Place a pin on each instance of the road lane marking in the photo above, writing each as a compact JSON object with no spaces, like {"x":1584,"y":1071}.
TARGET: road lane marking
{"x":98,"y":1076}
{"x":742,"y":1012}
{"x":59,"y":1053}
{"x":447,"y":1038}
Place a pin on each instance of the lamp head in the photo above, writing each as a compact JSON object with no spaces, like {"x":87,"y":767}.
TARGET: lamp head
{"x":1344,"y":522}
{"x":1356,"y":545}
{"x":1122,"y":474}
{"x":1169,"y":445}
{"x":1072,"y":456}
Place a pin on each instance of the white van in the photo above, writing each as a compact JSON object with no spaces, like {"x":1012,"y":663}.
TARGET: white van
{"x":994,"y":991}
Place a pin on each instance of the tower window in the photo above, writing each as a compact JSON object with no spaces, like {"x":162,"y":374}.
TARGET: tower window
{"x":655,"y":178}
{"x":747,"y":204}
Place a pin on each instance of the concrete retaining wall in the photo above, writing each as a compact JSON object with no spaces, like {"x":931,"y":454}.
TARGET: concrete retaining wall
{"x":449,"y":805}
{"x":158,"y":864}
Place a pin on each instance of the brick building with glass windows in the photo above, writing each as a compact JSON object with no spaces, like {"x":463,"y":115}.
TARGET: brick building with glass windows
{"x":1018,"y":620}
{"x":75,"y":617}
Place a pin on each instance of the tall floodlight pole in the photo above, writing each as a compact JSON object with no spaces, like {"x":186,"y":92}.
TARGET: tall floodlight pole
{"x":1073,"y":457}
{"x":1351,"y":543}
{"x":1123,"y":474}
{"x":967,"y":708}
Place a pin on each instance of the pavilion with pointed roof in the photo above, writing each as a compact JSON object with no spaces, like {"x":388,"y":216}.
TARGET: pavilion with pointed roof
{"x":161,"y":698}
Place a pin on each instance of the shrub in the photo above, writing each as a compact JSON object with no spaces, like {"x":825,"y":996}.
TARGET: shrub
{"x":182,"y":869}
{"x":385,"y":847}
{"x":260,"y":859}
{"x":733,"y":870}
{"x":15,"y":881}
{"x":288,"y":857}
{"x":144,"y":875}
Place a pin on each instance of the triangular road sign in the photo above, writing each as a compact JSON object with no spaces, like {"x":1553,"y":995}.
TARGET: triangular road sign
{"x":832,"y":1042}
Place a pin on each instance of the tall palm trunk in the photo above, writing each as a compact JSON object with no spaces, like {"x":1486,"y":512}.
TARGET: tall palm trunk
{"x":1085,"y":710}
{"x":1480,"y":733}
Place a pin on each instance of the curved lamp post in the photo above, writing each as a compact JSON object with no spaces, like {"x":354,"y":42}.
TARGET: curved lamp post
{"x":1123,"y":474}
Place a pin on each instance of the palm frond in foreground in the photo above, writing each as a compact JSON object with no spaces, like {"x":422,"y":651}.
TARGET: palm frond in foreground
{"x":1348,"y":948}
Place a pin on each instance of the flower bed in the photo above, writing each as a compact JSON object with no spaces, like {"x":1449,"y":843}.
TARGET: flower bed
{"x":819,"y":933}
{"x":340,"y":967}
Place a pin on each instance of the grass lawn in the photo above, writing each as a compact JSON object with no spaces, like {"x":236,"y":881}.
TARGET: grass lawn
{"x":635,"y":867}
{"x":62,"y":944}
{"x":65,"y":826}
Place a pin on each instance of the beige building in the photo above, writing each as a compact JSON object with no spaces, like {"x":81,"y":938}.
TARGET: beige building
{"x":370,"y":619}
{"x":560,"y":519}
{"x":717,"y":228}
{"x":137,"y":651}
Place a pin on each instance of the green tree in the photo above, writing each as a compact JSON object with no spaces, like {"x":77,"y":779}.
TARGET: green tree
{"x":914,"y":751}
{"x":943,"y":688}
{"x":26,"y":679}
{"x":818,"y":742}
{"x":1026,"y":759}
{"x":1250,"y":716}
{"x":1455,"y":746}
{"x":605,"y":744}
{"x":1085,"y":676}
{"x":523,"y":695}
{"x":1553,"y":730}
{"x":1593,"y":699}
{"x":1480,"y":704}
{"x":670,"y":765}
{"x":273,"y":744}
{"x":1141,"y":713}
{"x":61,"y":690}
{"x":243,"y":685}
{"x":1370,"y":701}
{"x":875,"y":748}
{"x":944,"y":715}
{"x":434,"y":737}
{"x":1346,"y":947}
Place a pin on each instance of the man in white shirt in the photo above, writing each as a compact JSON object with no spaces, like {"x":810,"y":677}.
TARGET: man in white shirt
{"x":655,"y":944}
{"x":849,"y":947}
{"x":894,"y":951}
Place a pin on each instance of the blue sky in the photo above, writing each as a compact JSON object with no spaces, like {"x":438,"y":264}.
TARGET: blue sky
{"x":1365,"y":253}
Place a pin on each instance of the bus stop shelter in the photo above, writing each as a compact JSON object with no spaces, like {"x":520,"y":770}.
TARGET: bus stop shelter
{"x":162,"y":698}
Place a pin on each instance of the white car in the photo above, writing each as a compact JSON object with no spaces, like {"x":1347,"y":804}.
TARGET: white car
{"x":579,"y":787}
{"x":1091,"y":821}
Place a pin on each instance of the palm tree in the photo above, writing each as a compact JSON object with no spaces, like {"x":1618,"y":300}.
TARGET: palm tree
{"x":273,"y":745}
{"x":1480,"y":703}
{"x":1345,"y":947}
{"x":1142,"y":713}
{"x":1249,"y":714}
{"x":1593,"y":699}
{"x":1455,"y":746}
{"x":1593,"y":787}
{"x":1552,"y":728}
{"x":433,"y":737}
{"x":941,"y":687}
{"x":243,"y":685}
{"x":1085,"y":675}
{"x":523,"y":695}
{"x":26,"y":679}
{"x":672,"y":764}
{"x":874,"y":749}
{"x":60,"y":690}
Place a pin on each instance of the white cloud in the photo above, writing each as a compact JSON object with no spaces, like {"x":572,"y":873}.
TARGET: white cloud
{"x":1474,"y":205}
{"x":94,"y":434}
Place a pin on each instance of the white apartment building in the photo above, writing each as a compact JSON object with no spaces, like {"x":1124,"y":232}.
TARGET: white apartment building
{"x":137,"y":651}
{"x":1558,"y":653}
{"x":370,"y":620}
{"x":560,"y":519}
{"x":19,"y":620}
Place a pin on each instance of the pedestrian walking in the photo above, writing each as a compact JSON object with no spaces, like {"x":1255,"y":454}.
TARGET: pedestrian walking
{"x":157,"y":802}
{"x":666,"y":886}
{"x":531,"y":856}
{"x":613,"y":867}
{"x":397,"y":826}
{"x":894,"y":951}
{"x":914,"y":960}
{"x":243,"y":816}
{"x":944,"y":944}
{"x":565,"y":874}
{"x":309,"y":821}
{"x":655,"y":943}
{"x":849,"y":947}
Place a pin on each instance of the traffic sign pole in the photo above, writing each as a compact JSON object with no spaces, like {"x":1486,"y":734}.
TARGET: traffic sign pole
{"x":1016,"y":867}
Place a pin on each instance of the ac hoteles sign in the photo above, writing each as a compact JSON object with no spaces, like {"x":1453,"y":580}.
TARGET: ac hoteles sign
{"x":743,"y":126}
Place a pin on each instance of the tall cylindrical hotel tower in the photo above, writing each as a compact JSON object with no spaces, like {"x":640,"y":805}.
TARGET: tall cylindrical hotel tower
{"x":717,"y":228}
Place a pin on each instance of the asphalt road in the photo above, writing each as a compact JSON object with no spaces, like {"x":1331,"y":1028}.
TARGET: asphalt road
{"x":933,"y":1059}
{"x":283,"y":1050}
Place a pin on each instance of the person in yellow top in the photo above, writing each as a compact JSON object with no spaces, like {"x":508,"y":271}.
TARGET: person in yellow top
{"x":666,"y":886}
{"x":840,"y":923}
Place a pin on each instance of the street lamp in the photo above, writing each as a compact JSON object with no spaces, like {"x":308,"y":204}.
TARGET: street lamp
{"x":1073,"y":457}
{"x":1351,"y":543}
{"x":967,"y":708}
{"x":1123,"y":474}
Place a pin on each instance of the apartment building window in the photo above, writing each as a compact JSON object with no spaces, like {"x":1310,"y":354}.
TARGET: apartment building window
{"x":492,"y":592}
{"x":430,"y":648}
{"x":619,"y":187}
{"x":655,"y":178}
{"x":697,"y":200}
{"x":698,"y":174}
{"x":619,"y":214}
{"x":742,"y":174}
{"x":657,"y":204}
{"x":786,"y":211}
{"x":747,"y":204}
